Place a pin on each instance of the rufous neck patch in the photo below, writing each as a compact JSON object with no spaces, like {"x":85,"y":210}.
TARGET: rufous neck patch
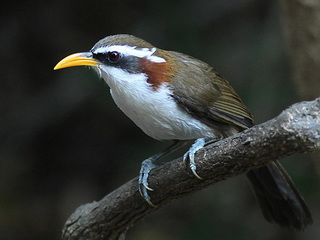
{"x":157,"y":72}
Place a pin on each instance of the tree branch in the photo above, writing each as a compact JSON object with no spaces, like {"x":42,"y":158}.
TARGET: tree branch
{"x":296,"y":129}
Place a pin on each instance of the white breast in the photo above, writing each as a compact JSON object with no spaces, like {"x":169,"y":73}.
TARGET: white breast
{"x":155,"y":112}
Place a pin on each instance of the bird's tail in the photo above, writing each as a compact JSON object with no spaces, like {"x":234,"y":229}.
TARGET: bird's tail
{"x":279,"y":198}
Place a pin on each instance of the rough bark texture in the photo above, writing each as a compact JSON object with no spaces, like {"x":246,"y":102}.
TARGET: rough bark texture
{"x":296,"y":129}
{"x":302,"y":27}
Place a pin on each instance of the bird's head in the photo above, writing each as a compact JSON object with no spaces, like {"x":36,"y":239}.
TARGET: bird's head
{"x":121,"y":56}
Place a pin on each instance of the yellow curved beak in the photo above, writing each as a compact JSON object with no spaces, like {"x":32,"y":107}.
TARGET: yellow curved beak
{"x":77,"y":59}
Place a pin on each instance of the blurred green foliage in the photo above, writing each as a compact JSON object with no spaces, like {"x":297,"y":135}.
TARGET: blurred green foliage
{"x":63,"y":142}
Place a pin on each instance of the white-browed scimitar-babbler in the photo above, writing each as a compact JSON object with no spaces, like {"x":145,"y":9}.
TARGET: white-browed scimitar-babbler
{"x":172,"y":96}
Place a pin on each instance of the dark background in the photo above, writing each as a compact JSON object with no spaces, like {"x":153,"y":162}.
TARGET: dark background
{"x":63,"y":142}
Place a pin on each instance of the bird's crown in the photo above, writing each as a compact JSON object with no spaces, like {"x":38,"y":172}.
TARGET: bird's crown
{"x":124,"y":40}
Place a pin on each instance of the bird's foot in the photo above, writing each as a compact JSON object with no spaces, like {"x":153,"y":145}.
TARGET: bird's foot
{"x":198,"y":144}
{"x":149,"y":164}
{"x":189,"y":155}
{"x":146,"y":166}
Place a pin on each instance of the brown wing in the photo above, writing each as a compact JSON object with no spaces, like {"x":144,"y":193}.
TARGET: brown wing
{"x":214,"y":101}
{"x":201,"y":91}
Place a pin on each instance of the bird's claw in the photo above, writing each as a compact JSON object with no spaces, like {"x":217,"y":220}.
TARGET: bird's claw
{"x":197,"y":145}
{"x":146,"y":166}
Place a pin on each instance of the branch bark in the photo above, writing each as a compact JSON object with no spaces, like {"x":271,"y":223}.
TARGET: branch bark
{"x":297,"y":129}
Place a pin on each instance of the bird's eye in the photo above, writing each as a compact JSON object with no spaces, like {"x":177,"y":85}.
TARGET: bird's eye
{"x":113,"y":56}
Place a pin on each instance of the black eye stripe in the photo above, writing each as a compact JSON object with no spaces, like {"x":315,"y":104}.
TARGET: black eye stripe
{"x":101,"y":57}
{"x":105,"y":57}
{"x":131,"y":64}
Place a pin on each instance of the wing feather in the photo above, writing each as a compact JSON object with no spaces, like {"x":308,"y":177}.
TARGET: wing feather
{"x":210,"y":98}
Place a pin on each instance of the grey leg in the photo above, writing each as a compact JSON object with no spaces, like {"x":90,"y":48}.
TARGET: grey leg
{"x":149,"y":164}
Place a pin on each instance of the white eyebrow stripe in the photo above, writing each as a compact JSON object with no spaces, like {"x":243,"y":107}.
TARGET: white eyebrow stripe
{"x":133,"y":51}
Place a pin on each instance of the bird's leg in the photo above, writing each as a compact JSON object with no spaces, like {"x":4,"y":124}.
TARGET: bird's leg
{"x":197,"y":145}
{"x":149,"y":164}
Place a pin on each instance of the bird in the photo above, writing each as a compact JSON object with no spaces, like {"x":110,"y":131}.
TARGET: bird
{"x":173,"y":96}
